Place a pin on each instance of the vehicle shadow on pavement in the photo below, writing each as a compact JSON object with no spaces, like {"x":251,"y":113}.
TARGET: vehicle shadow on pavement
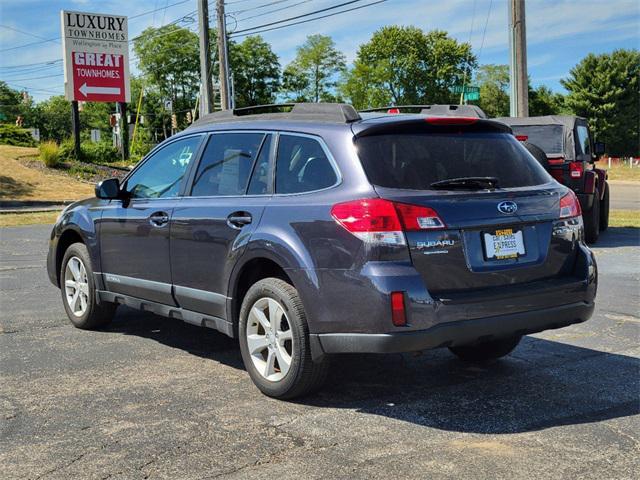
{"x":619,"y":237}
{"x":203,"y":342}
{"x":542,"y":384}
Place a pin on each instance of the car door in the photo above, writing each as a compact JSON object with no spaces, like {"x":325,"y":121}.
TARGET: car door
{"x":134,"y":231}
{"x":213,"y":222}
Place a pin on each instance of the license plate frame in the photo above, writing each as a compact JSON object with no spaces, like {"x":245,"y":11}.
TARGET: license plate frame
{"x":503,"y":244}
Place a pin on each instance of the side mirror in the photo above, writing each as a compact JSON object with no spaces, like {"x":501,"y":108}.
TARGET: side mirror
{"x":599,"y":148}
{"x":108,"y":189}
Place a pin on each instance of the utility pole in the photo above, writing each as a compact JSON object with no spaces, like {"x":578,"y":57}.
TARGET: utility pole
{"x":124,"y":130}
{"x":519,"y":81}
{"x":75,"y":126}
{"x":225,"y":102}
{"x":206,"y":103}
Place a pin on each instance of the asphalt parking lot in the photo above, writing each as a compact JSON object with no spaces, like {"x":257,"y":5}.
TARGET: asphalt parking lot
{"x":156,"y":398}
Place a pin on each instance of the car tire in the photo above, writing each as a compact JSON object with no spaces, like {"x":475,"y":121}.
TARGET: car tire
{"x":486,"y":351}
{"x":79,"y":293}
{"x":604,"y":209}
{"x":538,"y":154}
{"x":273,"y":321}
{"x":592,"y":220}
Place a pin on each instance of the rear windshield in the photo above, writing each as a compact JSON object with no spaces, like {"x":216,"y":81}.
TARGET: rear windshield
{"x":548,"y":137}
{"x":416,"y":160}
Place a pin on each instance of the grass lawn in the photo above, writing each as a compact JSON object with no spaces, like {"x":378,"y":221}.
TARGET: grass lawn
{"x":19,"y":182}
{"x":624,"y":218}
{"x":20,"y":219}
{"x":621,"y":172}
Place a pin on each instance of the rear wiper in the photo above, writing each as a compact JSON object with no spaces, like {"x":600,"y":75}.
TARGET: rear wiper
{"x":466,"y":183}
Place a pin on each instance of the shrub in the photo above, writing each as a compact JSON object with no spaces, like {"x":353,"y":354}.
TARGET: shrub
{"x":12,"y":135}
{"x":49,"y":153}
{"x":100,"y":152}
{"x":66,"y":150}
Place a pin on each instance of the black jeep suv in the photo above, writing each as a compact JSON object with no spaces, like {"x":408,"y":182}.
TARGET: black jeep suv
{"x":308,"y":230}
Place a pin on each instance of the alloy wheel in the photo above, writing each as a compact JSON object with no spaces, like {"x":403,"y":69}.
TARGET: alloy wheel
{"x":269,"y":339}
{"x":76,"y":286}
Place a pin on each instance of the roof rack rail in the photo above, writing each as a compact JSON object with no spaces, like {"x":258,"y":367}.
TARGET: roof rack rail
{"x":319,"y":112}
{"x":442,"y":110}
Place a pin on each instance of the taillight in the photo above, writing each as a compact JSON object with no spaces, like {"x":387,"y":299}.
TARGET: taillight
{"x":451,"y":120}
{"x":398,"y":312}
{"x":375,"y":220}
{"x":569,"y":206}
{"x":576,"y":169}
{"x":394,"y":111}
{"x":555,"y":160}
{"x":522,"y":138}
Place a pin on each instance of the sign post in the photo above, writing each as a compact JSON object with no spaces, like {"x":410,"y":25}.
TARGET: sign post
{"x":96,"y":61}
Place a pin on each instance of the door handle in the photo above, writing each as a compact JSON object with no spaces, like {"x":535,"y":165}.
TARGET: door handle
{"x":159,"y":219}
{"x":238,"y":220}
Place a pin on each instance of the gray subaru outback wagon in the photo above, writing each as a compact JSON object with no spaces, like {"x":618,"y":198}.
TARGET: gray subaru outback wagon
{"x":307,"y":230}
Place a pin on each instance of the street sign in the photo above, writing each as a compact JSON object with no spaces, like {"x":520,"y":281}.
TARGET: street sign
{"x":472,"y":96}
{"x":96,"y":57}
{"x":467,"y":89}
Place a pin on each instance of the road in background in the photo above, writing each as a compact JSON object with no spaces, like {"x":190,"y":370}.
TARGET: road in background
{"x":625,"y":195}
{"x":151,"y":397}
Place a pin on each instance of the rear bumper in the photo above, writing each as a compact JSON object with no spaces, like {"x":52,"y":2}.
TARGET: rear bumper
{"x":454,"y":333}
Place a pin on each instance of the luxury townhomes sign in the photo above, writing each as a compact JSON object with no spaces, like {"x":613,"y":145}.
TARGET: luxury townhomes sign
{"x":96,"y":57}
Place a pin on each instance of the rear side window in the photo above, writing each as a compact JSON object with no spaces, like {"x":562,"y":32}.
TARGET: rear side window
{"x":302,"y":165}
{"x":549,"y":138}
{"x":582,"y":144}
{"x":414,"y":161}
{"x":226,"y":164}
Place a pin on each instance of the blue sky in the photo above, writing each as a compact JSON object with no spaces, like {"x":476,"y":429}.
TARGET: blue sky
{"x":559,"y":32}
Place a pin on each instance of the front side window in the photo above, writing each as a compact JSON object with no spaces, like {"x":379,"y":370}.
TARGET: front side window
{"x":226,"y":164}
{"x":583,"y":141}
{"x":302,"y":166}
{"x":161,"y":175}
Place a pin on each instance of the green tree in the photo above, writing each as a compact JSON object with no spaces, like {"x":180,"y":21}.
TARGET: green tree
{"x":493,"y":81}
{"x":169,"y":60}
{"x":604,"y":88}
{"x":312,"y":74}
{"x":53,"y":118}
{"x":10,"y":103}
{"x":404,"y":65}
{"x":256,"y":72}
{"x":543,"y":101}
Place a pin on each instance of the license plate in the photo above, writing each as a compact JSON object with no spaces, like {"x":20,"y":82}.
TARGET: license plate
{"x":504,"y":244}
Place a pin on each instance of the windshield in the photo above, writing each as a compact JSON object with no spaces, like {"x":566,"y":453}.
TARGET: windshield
{"x":415,"y":161}
{"x":548,"y":137}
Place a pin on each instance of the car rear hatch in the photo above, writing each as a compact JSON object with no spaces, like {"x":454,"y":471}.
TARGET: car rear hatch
{"x":481,"y":210}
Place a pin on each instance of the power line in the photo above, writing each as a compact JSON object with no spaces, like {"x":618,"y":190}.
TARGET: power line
{"x":238,"y":34}
{"x":57,"y":39}
{"x":275,"y":2}
{"x":298,"y":16}
{"x":23,"y":32}
{"x":31,"y":64}
{"x":274,"y":10}
{"x":484,"y":32}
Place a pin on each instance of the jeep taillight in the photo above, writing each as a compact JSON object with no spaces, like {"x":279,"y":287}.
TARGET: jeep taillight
{"x":569,"y":205}
{"x":576,"y":169}
{"x":375,"y":220}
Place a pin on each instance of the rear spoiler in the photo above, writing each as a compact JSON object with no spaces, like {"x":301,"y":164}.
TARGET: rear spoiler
{"x":402,"y":123}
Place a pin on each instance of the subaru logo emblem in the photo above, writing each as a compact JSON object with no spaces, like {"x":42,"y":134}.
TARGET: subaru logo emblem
{"x":507,"y":207}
